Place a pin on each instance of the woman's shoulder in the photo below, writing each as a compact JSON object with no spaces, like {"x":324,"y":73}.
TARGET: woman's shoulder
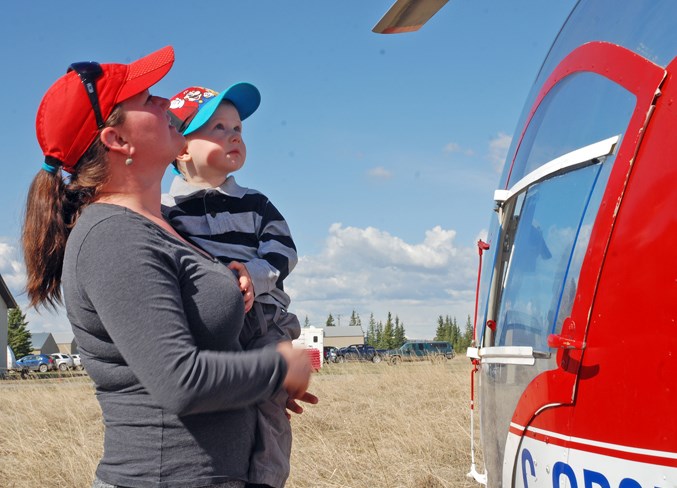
{"x":101,"y":216}
{"x":103,"y":226}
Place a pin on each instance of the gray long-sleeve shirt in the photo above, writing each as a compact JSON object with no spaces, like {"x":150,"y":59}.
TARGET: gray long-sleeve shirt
{"x":157,"y":324}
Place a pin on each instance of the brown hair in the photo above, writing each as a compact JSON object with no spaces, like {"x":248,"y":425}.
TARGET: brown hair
{"x":52,"y":208}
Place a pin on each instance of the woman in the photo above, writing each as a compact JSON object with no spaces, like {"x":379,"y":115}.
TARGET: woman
{"x":157,"y":321}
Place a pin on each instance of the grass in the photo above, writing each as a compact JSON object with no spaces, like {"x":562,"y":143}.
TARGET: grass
{"x":376,"y":426}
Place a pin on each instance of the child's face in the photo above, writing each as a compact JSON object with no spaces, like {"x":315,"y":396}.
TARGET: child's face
{"x":217,"y":148}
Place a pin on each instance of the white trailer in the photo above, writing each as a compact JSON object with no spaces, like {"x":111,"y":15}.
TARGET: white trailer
{"x":311,"y":338}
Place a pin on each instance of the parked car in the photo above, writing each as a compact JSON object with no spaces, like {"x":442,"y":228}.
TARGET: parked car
{"x":36,"y":362}
{"x":63,"y":361}
{"x":330,"y":354}
{"x":77,"y":362}
{"x":358,"y":352}
{"x":421,"y":350}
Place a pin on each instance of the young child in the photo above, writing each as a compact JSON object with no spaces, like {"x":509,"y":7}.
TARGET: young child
{"x":243,"y":229}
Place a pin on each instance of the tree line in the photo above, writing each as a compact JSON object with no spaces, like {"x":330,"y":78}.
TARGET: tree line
{"x":392,"y":334}
{"x":449,"y":330}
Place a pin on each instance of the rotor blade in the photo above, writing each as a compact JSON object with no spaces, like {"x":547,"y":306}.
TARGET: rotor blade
{"x":407,"y":16}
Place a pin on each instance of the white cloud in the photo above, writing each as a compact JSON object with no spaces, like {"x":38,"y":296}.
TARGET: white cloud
{"x":11,"y":266}
{"x":498,"y":150}
{"x":380,"y":173}
{"x":453,"y":147}
{"x":13,"y":272}
{"x":44,"y":320}
{"x":370,"y":271}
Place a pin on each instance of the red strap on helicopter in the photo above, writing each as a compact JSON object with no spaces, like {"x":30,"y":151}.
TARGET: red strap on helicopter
{"x":472,"y":384}
{"x":481,"y":247}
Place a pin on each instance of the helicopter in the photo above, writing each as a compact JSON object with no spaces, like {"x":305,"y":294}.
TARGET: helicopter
{"x":575,"y":344}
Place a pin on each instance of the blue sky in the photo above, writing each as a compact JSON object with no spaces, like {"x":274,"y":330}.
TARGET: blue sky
{"x":382,"y":151}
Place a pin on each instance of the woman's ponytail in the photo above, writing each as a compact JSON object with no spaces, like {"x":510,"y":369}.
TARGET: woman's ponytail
{"x":44,"y":238}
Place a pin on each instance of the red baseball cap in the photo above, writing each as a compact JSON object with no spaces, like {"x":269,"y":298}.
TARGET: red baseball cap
{"x":66,"y":124}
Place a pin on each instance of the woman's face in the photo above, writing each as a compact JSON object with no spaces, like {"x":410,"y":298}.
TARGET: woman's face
{"x":148,"y":131}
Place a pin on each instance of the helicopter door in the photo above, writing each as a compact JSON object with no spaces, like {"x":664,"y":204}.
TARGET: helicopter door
{"x":554,"y":219}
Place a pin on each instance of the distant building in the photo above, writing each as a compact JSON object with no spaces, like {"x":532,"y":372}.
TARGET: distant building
{"x":343,"y":336}
{"x":43,"y":343}
{"x":6,"y":302}
{"x":66,"y":343}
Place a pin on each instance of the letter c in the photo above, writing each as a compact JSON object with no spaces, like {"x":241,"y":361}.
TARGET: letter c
{"x":527,"y":458}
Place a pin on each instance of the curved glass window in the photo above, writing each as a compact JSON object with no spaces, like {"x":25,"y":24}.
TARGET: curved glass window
{"x":544,"y":234}
{"x":580,"y":110}
{"x":646,"y":27}
{"x":539,"y":278}
{"x":546,"y":224}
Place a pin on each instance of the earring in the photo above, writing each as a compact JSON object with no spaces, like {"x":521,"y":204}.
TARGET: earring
{"x":129,"y":161}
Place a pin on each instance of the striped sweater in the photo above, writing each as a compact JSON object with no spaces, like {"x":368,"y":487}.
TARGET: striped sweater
{"x":233,"y":223}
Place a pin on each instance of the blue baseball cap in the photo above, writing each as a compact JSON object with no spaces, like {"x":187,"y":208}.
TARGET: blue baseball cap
{"x":192,"y":107}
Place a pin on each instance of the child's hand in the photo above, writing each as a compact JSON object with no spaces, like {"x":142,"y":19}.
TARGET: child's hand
{"x":246,"y":285}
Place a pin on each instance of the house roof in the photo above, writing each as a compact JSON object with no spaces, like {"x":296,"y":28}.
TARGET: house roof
{"x":349,"y":331}
{"x":38,"y":339}
{"x":63,"y":337}
{"x":7,"y":295}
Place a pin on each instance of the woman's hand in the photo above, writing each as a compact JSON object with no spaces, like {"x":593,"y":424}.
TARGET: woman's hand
{"x":293,"y":406}
{"x":299,"y":369}
{"x":246,"y":285}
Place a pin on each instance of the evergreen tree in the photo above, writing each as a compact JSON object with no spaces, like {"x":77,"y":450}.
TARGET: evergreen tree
{"x":389,"y":333}
{"x":399,"y":336}
{"x":443,"y":325}
{"x":371,"y":332}
{"x":467,"y":335}
{"x":18,"y":336}
{"x":440,"y":332}
{"x":455,"y":337}
{"x":448,"y":330}
{"x":330,"y":321}
{"x":306,"y":323}
{"x":355,"y":320}
{"x":380,"y":343}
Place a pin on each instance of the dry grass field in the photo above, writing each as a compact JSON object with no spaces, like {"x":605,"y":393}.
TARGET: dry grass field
{"x":376,"y":426}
